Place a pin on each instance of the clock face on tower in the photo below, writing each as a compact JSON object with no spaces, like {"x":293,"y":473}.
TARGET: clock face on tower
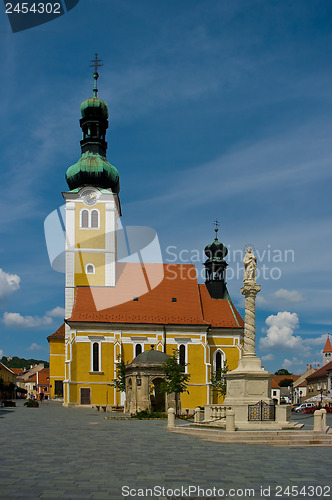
{"x":90,"y":196}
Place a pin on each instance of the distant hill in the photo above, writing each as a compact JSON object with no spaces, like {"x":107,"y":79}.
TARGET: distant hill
{"x":16,"y":362}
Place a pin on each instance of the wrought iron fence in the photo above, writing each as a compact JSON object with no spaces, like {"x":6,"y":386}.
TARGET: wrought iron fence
{"x":261,"y":412}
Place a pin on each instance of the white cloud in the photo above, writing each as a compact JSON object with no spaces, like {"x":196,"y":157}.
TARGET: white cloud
{"x":16,"y":320}
{"x":9,"y":283}
{"x":57,"y":312}
{"x":268,"y":357}
{"x":1,"y":353}
{"x":280,"y":332}
{"x":288,"y":364}
{"x":317,"y":340}
{"x":34,"y":347}
{"x":261,"y":301}
{"x":289,"y":295}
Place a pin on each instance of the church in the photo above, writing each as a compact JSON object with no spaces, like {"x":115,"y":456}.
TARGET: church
{"x":117,"y":308}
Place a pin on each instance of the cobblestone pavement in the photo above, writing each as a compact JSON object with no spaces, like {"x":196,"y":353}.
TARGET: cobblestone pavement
{"x":74,"y":453}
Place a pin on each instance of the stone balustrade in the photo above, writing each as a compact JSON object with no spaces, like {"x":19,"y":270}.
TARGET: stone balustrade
{"x":214,"y":412}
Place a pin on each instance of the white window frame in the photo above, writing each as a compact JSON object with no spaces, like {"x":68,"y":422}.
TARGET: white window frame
{"x":98,"y":214}
{"x":134,"y":348}
{"x":81,"y":219}
{"x":99,"y":356}
{"x":223,"y":358}
{"x":93,"y":269}
{"x":185,"y":344}
{"x":89,"y":218}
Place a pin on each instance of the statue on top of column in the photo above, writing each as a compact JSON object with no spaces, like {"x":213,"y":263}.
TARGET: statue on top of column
{"x":250,"y":265}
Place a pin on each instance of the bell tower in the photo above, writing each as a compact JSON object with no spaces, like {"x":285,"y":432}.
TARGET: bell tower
{"x":215,"y":268}
{"x":327,"y":351}
{"x":92,"y":204}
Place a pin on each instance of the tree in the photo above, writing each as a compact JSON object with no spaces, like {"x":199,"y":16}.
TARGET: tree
{"x":120,"y":381}
{"x":286,"y":382}
{"x":175,"y":379}
{"x":282,"y":371}
{"x":16,"y":362}
{"x":218,"y":380}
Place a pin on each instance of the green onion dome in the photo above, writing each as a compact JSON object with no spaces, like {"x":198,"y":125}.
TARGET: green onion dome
{"x":93,"y":106}
{"x":216,"y":251}
{"x":93,"y":170}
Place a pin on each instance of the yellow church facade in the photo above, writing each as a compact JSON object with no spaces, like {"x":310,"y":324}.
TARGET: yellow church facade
{"x":94,"y":348}
{"x":118,"y":303}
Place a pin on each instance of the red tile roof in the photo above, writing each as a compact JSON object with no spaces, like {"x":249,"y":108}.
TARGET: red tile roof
{"x":44,"y":376}
{"x":328,"y":346}
{"x":219,"y":313}
{"x":321,"y":372}
{"x":59,"y":334}
{"x":304,"y":383}
{"x":193,"y":304}
{"x":18,"y":371}
{"x":274,"y":384}
{"x":278,"y":378}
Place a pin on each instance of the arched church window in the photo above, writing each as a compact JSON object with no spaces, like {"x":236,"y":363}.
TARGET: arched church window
{"x":182,"y":355}
{"x":90,"y":269}
{"x":218,"y":361}
{"x":84,"y":218}
{"x":138,"y":349}
{"x":94,"y":218}
{"x":95,"y":357}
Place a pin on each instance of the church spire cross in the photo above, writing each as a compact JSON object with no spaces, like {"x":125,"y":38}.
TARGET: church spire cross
{"x":95,"y":65}
{"x":217,"y":224}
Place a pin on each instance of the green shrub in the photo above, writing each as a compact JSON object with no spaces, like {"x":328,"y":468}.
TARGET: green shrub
{"x":32,"y":403}
{"x":149,"y":414}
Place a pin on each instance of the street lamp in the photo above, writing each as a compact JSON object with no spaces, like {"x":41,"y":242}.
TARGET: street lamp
{"x":292,"y":392}
{"x":321,"y":396}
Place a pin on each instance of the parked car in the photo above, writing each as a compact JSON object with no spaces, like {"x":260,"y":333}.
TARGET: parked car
{"x":305,"y":407}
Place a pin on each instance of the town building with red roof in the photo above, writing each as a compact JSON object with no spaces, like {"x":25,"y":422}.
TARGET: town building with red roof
{"x":281,"y":392}
{"x":319,"y":383}
{"x":39,"y":383}
{"x":57,"y":361}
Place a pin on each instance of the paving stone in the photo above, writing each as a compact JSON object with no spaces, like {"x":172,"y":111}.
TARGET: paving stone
{"x":56,"y":453}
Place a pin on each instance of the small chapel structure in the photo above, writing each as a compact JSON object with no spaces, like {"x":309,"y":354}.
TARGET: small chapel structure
{"x":115,"y":308}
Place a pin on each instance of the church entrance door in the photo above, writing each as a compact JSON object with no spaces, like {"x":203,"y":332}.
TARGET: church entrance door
{"x":85,"y":396}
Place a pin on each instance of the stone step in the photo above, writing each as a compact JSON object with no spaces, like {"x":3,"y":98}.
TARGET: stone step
{"x":272,"y":438}
{"x":287,"y":434}
{"x":307,"y":443}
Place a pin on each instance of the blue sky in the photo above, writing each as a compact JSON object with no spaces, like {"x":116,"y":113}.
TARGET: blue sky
{"x":217,"y":110}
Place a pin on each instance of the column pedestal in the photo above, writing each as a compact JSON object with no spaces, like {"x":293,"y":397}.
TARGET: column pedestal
{"x":248,"y":383}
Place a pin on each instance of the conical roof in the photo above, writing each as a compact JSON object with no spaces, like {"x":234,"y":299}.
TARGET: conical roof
{"x":328,"y":346}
